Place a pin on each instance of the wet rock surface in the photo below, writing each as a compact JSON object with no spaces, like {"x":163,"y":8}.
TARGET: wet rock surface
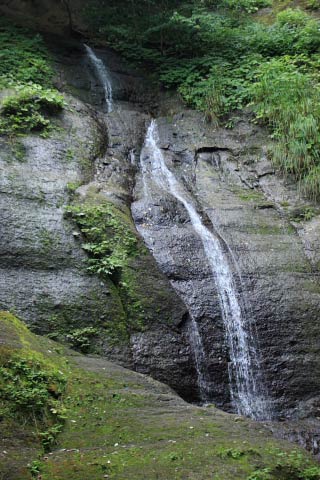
{"x":226,"y":172}
{"x":263,"y":225}
{"x":92,"y":158}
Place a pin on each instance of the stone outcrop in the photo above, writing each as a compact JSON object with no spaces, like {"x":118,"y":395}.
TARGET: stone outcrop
{"x":263,"y":225}
{"x":230,"y":177}
{"x":43,"y":267}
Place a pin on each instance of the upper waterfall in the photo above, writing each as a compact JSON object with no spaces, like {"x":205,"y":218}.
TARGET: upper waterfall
{"x":103,"y":75}
{"x":245,"y":384}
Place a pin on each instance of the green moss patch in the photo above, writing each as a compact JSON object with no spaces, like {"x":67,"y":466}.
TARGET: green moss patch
{"x":117,"y":255}
{"x":25,"y":69}
{"x":118,"y":424}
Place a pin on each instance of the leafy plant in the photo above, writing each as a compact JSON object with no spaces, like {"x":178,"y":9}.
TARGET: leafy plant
{"x":234,"y":453}
{"x":49,"y":436}
{"x":261,"y":474}
{"x":24,"y":57}
{"x":280,"y":85}
{"x":28,"y":387}
{"x":35,"y":468}
{"x":291,"y":465}
{"x":81,"y":339}
{"x":109,"y":239}
{"x":29,"y":108}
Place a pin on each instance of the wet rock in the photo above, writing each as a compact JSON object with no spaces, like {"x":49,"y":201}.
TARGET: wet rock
{"x":227,"y":180}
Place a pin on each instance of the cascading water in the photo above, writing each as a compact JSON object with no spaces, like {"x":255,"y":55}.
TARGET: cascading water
{"x":245,"y":383}
{"x":200,"y":358}
{"x":103,"y":76}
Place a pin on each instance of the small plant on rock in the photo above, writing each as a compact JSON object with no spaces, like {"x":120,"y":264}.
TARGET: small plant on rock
{"x":29,"y":109}
{"x":81,"y":339}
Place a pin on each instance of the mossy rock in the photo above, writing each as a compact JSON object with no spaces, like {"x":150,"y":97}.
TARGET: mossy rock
{"x":117,"y":254}
{"x":120,"y":424}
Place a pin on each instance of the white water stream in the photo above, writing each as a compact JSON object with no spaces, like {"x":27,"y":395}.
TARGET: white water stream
{"x":246,"y":387}
{"x":103,"y":76}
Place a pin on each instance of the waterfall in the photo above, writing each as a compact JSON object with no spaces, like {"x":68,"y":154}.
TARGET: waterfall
{"x":103,"y":76}
{"x":200,"y":360}
{"x":244,"y":376}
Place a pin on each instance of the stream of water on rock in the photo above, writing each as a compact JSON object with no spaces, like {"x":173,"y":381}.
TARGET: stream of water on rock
{"x":245,"y":385}
{"x":103,"y":76}
{"x":247,"y":391}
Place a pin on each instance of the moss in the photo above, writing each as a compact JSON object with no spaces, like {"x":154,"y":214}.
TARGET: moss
{"x":14,"y":150}
{"x":103,"y":313}
{"x":303,"y":213}
{"x":31,"y":390}
{"x":121,"y":425}
{"x":248,"y":195}
{"x":111,"y":243}
{"x":49,"y":240}
{"x":269,"y":229}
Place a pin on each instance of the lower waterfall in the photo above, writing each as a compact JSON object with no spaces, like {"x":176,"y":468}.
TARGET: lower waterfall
{"x":246,"y":388}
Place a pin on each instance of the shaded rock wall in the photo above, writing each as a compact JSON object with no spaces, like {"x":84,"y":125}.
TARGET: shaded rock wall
{"x":90,"y":159}
{"x":56,"y":16}
{"x":226,"y":172}
{"x":274,"y":257}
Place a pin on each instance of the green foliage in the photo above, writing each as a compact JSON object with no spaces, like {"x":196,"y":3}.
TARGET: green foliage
{"x":28,"y":109}
{"x":25,"y":67}
{"x":81,"y":338}
{"x":261,"y":474}
{"x":291,"y":466}
{"x":29,"y":388}
{"x":313,"y":4}
{"x":234,"y":453}
{"x":49,"y":436}
{"x":287,"y":99}
{"x":23,"y":57}
{"x":311,"y":473}
{"x":248,"y":6}
{"x":73,"y":186}
{"x":220,"y":59}
{"x":110,"y":240}
{"x":226,"y":87}
{"x":35,"y":468}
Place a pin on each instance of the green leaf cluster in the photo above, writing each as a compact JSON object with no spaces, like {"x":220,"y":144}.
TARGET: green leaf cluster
{"x":109,"y":240}
{"x":25,"y":68}
{"x":31,"y":391}
{"x":286,"y":96}
{"x":23,"y":57}
{"x":81,"y":338}
{"x":289,"y":466}
{"x":28,"y":109}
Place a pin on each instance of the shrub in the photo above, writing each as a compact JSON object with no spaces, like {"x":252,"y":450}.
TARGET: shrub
{"x":28,"y":109}
{"x":28,"y":388}
{"x":288,"y":101}
{"x":23,"y":57}
{"x":110,"y":240}
{"x":81,"y":338}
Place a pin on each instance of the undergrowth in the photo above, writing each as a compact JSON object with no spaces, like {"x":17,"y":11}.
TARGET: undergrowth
{"x":222,"y":59}
{"x":30,"y":392}
{"x":109,"y":241}
{"x":26,"y":81}
{"x":29,"y":109}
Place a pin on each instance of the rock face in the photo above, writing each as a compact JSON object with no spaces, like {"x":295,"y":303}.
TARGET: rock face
{"x":50,"y":15}
{"x":229,"y":177}
{"x":233,"y":186}
{"x":43,"y":267}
